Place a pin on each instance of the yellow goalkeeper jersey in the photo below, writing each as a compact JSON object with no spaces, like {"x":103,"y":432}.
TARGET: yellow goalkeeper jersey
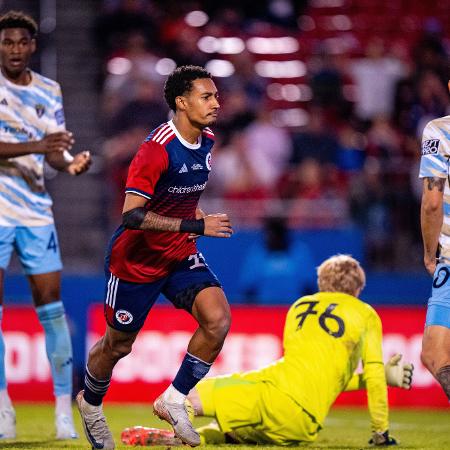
{"x":325,"y":337}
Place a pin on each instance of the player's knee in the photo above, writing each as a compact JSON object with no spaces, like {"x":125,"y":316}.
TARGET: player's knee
{"x":46,"y":294}
{"x":430,"y":359}
{"x":217,"y":327}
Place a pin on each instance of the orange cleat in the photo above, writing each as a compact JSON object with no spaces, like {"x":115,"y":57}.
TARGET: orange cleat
{"x":144,"y":436}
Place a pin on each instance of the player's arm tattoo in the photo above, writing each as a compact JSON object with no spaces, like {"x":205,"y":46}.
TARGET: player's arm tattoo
{"x":155,"y":222}
{"x":435,"y":182}
{"x":142,"y":219}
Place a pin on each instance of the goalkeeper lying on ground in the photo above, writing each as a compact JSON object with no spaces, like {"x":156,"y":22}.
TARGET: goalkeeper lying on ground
{"x":325,"y":337}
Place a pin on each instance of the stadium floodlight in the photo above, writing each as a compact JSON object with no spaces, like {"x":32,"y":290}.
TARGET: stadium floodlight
{"x":196,"y":18}
{"x":165,"y":66}
{"x":220,"y":68}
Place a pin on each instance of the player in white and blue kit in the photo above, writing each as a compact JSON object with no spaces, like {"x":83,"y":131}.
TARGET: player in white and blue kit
{"x":435,"y":222}
{"x":32,"y":131}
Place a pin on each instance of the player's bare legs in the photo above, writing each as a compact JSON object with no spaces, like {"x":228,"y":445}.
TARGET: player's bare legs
{"x":436,"y":354}
{"x":103,"y":356}
{"x":46,"y":292}
{"x":212,"y":312}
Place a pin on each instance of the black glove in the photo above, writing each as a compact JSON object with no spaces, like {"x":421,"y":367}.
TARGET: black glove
{"x":382,"y":439}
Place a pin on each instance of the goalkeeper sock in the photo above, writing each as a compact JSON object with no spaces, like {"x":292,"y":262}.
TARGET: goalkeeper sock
{"x":191,"y":371}
{"x":443,"y":376}
{"x":58,"y":346}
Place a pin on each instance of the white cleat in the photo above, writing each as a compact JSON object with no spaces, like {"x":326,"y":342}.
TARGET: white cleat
{"x":65,"y":428}
{"x":177,"y":415}
{"x":7,"y":423}
{"x":94,"y":424}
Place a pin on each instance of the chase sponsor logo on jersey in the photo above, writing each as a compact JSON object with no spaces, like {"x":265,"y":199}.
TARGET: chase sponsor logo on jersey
{"x":430,"y":146}
{"x":124,"y":317}
{"x":208,"y":161}
{"x":40,"y":109}
{"x":197,"y":167}
{"x":187,"y":189}
{"x":184,"y":169}
{"x":59,"y":116}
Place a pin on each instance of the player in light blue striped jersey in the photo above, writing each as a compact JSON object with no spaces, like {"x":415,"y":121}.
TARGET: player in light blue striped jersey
{"x":435,"y":221}
{"x":32,"y":131}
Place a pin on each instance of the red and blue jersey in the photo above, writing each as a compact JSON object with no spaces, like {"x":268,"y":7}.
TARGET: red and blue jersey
{"x":172,"y":174}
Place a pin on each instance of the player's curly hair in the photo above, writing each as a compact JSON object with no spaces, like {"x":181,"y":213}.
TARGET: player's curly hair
{"x":341,"y":273}
{"x":180,"y":81}
{"x":18,"y":19}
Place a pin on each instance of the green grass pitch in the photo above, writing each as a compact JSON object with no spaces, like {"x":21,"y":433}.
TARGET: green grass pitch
{"x":344,"y":428}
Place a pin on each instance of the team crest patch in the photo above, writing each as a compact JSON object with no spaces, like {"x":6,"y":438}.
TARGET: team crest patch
{"x":124,"y":317}
{"x":40,"y":109}
{"x":430,"y":146}
{"x":208,"y":161}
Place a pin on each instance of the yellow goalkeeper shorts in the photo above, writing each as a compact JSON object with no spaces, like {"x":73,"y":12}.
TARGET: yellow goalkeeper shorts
{"x":255,"y":411}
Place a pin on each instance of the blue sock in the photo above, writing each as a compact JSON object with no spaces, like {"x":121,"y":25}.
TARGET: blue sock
{"x":58,"y":346}
{"x":191,"y":371}
{"x":94,"y":389}
{"x":2,"y":355}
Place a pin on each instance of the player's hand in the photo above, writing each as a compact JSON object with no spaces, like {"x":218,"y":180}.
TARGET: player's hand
{"x":81,"y":163}
{"x":398,"y":375}
{"x":430,"y":263}
{"x":218,"y":225}
{"x":379,"y":438}
{"x":199,"y":214}
{"x":56,"y":142}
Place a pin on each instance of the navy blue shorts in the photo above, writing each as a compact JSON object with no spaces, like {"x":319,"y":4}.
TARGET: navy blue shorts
{"x":128,"y":304}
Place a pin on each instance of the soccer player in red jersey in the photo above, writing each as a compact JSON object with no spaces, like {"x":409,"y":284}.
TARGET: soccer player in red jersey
{"x":154,"y":252}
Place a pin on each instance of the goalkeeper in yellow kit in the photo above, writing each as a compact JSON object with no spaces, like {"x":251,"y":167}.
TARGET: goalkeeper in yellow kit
{"x":325,"y":337}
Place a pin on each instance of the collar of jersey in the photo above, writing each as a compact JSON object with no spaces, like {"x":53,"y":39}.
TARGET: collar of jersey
{"x":182,"y":140}
{"x":19,"y":86}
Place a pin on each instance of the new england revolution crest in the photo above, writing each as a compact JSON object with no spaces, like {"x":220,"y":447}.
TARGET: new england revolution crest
{"x":40,"y":109}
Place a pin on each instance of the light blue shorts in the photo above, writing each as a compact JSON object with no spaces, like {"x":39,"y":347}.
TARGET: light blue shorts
{"x":36,"y":247}
{"x":438,"y":312}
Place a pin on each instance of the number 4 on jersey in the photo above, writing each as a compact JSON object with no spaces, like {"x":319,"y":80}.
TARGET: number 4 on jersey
{"x":52,"y":243}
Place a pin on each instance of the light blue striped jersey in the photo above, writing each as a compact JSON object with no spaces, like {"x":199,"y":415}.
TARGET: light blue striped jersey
{"x":435,"y":162}
{"x":27,"y":113}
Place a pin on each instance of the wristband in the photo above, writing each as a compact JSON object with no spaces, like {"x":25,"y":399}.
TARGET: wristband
{"x":192,"y":226}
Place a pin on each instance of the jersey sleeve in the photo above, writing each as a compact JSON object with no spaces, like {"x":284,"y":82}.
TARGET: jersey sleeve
{"x":149,"y":163}
{"x":434,"y":162}
{"x":57,"y":121}
{"x":373,"y":374}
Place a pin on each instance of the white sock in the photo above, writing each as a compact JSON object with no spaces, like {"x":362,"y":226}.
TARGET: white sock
{"x":172,"y":395}
{"x":5,"y":401}
{"x":63,"y":405}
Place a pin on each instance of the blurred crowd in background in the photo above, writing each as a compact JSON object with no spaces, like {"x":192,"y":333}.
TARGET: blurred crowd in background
{"x":323,"y":103}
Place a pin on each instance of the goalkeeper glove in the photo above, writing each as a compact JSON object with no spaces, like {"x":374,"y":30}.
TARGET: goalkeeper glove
{"x":379,"y":438}
{"x":398,"y":375}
